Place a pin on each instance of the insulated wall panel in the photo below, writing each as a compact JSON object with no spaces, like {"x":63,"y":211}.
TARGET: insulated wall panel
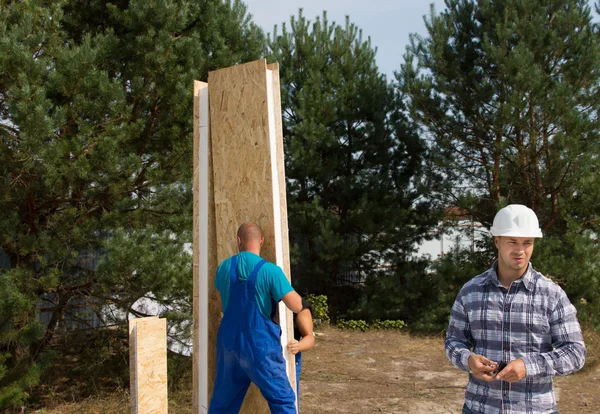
{"x":247,"y":154}
{"x":279,"y":171}
{"x":207,"y":307}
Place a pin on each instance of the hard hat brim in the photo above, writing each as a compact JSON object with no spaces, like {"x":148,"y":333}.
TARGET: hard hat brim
{"x":515,"y":233}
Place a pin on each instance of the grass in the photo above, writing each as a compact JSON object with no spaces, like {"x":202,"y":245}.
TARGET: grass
{"x":117,"y":403}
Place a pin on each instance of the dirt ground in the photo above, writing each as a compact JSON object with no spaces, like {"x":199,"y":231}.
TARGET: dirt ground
{"x":392,"y":372}
{"x":371,"y":372}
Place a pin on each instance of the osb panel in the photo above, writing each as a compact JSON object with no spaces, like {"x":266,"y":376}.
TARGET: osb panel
{"x":214,"y":304}
{"x":274,"y":67}
{"x":241,"y":166}
{"x":150,"y":347}
{"x":240,"y":144}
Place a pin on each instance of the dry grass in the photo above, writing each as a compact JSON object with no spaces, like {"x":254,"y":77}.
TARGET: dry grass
{"x":116,"y":403}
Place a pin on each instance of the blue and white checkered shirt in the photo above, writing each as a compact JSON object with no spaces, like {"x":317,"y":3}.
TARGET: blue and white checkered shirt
{"x":532,"y":320}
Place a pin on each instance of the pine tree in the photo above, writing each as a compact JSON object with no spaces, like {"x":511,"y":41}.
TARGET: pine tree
{"x":95,"y":158}
{"x":506,"y":92}
{"x":352,"y":159}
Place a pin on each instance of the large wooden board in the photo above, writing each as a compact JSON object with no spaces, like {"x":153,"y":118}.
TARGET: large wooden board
{"x":148,"y":365}
{"x":247,"y":171}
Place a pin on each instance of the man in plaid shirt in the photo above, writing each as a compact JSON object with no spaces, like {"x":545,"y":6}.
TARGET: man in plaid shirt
{"x":512,"y":328}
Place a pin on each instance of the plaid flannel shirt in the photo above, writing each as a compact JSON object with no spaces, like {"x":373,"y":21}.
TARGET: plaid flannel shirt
{"x":532,"y":320}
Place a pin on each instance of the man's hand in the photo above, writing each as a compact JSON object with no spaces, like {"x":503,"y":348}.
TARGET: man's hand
{"x":514,"y":371}
{"x":293,"y":347}
{"x":482,"y":368}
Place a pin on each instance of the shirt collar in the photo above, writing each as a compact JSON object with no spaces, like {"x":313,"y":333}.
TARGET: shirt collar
{"x":492,"y":276}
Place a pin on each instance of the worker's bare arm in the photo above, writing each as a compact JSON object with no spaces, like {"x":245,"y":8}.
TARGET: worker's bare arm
{"x":293,"y":301}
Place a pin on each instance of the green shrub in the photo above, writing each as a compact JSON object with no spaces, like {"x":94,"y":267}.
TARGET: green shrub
{"x":356,"y":325}
{"x":361,"y":325}
{"x":320,"y":309}
{"x":389,"y":324}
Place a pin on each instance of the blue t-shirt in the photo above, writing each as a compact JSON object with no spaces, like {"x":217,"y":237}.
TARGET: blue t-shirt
{"x":271,"y":282}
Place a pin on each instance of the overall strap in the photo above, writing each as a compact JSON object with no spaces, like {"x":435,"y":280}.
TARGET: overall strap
{"x":233,"y":271}
{"x":252,"y":277}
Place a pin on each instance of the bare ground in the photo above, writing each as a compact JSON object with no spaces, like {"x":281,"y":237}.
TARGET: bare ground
{"x":373,"y":372}
{"x":392,"y":372}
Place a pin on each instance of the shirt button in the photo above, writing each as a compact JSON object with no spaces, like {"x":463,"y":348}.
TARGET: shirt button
{"x":506,"y":308}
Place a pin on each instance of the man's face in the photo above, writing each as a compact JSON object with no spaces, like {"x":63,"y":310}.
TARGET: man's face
{"x":514,"y":252}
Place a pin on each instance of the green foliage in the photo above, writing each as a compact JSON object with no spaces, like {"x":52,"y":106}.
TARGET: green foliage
{"x":390,"y":325}
{"x":355,"y":325}
{"x":419,"y":293}
{"x":353,"y":161}
{"x":500,"y":133}
{"x":179,"y":372}
{"x":95,"y":159}
{"x":318,"y":303}
{"x":443,"y":282}
{"x":506,"y":92}
{"x":572,"y":262}
{"x":363,"y":326}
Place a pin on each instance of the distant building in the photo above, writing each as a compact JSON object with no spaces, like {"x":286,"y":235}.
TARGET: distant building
{"x":458,"y":229}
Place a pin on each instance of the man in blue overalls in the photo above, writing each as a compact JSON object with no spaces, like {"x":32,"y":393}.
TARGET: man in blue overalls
{"x":248,"y":342}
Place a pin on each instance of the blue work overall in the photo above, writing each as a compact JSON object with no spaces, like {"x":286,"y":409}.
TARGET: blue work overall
{"x":298,"y":371}
{"x":248,"y":349}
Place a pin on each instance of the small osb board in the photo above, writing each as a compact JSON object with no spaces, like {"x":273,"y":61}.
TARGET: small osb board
{"x":249,"y":184}
{"x":148,"y":365}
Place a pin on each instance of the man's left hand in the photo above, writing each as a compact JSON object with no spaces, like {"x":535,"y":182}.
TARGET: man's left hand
{"x":514,"y":371}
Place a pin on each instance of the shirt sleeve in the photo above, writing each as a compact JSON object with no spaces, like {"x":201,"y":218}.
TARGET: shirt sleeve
{"x":279,"y":286}
{"x":222,"y":283}
{"x":220,"y":276}
{"x":568,"y":354}
{"x":459,"y":341}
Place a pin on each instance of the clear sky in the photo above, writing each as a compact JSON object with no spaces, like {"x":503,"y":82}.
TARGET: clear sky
{"x":387,"y":22}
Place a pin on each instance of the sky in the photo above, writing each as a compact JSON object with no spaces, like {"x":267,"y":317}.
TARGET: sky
{"x":387,"y":22}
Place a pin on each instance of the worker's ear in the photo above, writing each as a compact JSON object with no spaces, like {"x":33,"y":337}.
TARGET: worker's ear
{"x":496,"y":241}
{"x":239,"y":242}
{"x":262,"y":240}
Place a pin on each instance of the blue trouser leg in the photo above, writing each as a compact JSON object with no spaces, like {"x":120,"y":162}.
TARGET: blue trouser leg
{"x":298,"y":371}
{"x":275,"y":387}
{"x":231,"y":385}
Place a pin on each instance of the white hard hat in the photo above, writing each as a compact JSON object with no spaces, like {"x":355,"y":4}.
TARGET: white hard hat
{"x":516,"y":220}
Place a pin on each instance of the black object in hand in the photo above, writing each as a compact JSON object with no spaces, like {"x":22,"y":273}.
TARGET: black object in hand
{"x":501,"y":366}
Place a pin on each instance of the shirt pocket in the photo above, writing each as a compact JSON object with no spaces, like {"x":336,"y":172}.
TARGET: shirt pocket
{"x":538,"y":324}
{"x":537,"y":338}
